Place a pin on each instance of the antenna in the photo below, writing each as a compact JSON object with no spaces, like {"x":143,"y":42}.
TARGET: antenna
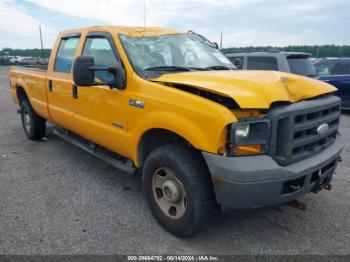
{"x":144,"y":14}
{"x":41,"y":42}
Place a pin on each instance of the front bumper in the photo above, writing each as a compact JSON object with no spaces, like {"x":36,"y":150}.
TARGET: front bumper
{"x":249,"y":182}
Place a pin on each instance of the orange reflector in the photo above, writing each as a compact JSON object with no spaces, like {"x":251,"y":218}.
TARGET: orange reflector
{"x":251,"y":149}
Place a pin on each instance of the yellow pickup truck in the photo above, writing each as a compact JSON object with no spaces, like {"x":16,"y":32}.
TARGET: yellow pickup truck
{"x":169,"y":105}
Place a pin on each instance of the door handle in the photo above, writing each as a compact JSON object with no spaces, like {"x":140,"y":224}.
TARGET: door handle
{"x":75,"y":91}
{"x":50,"y":85}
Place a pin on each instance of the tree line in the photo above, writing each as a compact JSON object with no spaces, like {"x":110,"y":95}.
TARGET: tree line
{"x":317,"y":51}
{"x":35,"y":52}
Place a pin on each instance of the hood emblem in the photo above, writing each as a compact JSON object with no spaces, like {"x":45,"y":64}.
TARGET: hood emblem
{"x":322,"y":129}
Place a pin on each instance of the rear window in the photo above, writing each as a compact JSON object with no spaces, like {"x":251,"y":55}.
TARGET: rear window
{"x":262,"y":63}
{"x":301,"y":66}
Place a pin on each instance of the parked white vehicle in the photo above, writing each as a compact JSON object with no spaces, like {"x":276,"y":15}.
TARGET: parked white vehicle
{"x":13,"y":59}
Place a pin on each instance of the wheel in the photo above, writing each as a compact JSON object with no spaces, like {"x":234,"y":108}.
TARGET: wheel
{"x":34,"y":126}
{"x":178,"y":189}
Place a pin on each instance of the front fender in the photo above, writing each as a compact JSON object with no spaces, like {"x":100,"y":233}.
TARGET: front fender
{"x":209,"y":139}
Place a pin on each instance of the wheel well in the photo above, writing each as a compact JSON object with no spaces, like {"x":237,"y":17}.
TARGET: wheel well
{"x":21,"y":94}
{"x":155,"y":138}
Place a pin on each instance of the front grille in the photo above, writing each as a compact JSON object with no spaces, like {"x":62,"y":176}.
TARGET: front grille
{"x":294,"y":133}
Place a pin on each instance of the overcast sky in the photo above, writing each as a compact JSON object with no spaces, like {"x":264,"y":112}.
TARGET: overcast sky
{"x":242,"y":22}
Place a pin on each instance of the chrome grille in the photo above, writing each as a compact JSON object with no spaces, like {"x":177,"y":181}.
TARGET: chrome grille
{"x":294,"y":133}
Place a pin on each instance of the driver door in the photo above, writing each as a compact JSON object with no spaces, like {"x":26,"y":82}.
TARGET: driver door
{"x":99,"y":113}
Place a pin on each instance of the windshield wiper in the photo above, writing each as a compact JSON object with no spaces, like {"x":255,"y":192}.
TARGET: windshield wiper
{"x":218,"y":67}
{"x":183,"y":68}
{"x":168,"y":68}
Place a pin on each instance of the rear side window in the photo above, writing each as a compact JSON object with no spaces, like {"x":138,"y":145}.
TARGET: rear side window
{"x":262,"y":63}
{"x":237,"y":61}
{"x":65,"y":54}
{"x":102,"y":52}
{"x":342,"y":68}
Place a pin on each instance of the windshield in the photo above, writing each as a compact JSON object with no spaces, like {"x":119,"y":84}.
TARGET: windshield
{"x":301,"y":66}
{"x":180,"y":52}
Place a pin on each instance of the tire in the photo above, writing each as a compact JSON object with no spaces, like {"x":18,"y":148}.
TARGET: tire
{"x":34,"y":126}
{"x":192,"y":178}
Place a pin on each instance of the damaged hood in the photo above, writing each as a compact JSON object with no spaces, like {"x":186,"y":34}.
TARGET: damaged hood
{"x":251,"y":89}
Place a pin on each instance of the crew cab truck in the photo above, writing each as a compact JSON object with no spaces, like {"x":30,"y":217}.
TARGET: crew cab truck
{"x":170,"y":105}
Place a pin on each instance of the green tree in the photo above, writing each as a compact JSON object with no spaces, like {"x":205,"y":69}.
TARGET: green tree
{"x":318,"y":51}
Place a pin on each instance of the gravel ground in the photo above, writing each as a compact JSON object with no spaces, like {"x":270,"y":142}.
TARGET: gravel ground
{"x":56,"y":199}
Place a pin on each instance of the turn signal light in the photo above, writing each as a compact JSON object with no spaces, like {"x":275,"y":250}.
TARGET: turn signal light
{"x":246,"y":150}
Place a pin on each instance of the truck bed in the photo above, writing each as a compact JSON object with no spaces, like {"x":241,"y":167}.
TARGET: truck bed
{"x":34,"y":81}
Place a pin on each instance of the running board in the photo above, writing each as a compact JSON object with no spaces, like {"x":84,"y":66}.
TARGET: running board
{"x":121,"y":163}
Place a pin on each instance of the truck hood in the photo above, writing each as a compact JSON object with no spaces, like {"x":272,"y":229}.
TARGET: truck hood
{"x":251,"y":89}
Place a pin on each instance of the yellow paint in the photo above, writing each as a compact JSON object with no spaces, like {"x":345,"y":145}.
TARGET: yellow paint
{"x":200,"y":121}
{"x":252,"y":89}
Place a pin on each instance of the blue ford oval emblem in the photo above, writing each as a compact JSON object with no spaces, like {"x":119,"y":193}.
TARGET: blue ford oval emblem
{"x":322,"y":129}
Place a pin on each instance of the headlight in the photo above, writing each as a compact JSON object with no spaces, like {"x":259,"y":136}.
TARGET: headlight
{"x":249,"y":137}
{"x":242,"y":131}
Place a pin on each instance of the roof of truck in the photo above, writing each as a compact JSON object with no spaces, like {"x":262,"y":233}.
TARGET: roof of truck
{"x":126,"y":30}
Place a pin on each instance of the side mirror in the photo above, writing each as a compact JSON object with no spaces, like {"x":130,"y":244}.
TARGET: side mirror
{"x":84,"y":73}
{"x":82,"y":76}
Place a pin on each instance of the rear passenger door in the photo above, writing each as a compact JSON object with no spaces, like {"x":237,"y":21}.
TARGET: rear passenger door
{"x":60,"y":82}
{"x":99,"y":110}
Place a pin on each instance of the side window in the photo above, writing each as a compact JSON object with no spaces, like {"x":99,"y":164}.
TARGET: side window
{"x":262,"y":63}
{"x":101,"y":50}
{"x":65,"y":54}
{"x":237,"y":61}
{"x":323,"y":69}
{"x":341,"y":69}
